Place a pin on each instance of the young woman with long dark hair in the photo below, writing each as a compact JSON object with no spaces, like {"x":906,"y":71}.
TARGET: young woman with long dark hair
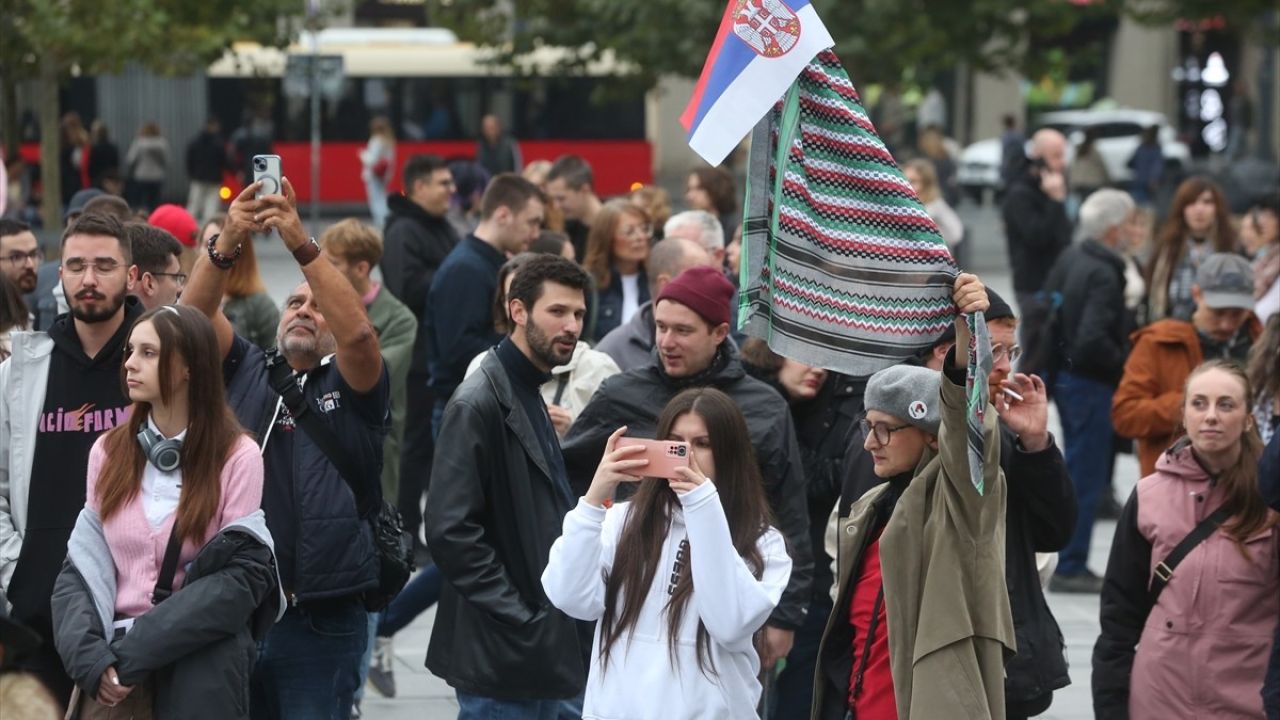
{"x":180,"y":471}
{"x":1198,"y":225}
{"x":681,"y":578}
{"x":1199,"y":647}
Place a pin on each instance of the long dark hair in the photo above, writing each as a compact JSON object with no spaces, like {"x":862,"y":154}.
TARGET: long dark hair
{"x":1172,"y":240}
{"x":635,"y":562}
{"x":1248,"y":511}
{"x":1263,"y":374}
{"x":212,"y":430}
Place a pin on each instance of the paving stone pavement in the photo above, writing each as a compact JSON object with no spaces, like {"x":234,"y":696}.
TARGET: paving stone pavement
{"x":422,"y":696}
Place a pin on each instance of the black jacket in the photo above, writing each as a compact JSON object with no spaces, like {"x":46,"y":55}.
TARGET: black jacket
{"x":206,"y":158}
{"x":1040,"y":517}
{"x":414,"y":245}
{"x":636,"y":399}
{"x":1094,"y":326}
{"x":199,"y":645}
{"x":1036,"y":229}
{"x":493,"y":515}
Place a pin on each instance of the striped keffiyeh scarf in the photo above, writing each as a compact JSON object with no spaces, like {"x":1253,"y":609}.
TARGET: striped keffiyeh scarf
{"x":842,"y":268}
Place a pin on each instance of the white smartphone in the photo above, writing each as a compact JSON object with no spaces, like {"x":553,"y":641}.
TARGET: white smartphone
{"x":266,"y":168}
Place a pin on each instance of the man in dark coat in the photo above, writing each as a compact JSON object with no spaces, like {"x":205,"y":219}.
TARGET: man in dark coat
{"x":1090,"y":351}
{"x":416,"y":240}
{"x":1035,"y":217}
{"x":1040,"y":516}
{"x":497,"y":503}
{"x":691,"y":314}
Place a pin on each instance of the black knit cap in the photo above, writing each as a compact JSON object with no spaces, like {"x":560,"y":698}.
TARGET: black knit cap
{"x":999,"y":310}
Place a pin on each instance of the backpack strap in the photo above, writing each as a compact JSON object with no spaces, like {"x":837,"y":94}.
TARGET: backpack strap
{"x":284,"y":381}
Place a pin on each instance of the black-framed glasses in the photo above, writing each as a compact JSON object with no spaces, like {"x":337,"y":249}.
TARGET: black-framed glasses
{"x":180,"y":278}
{"x":101,"y":266}
{"x":17,"y":257}
{"x":882,"y":431}
{"x":998,"y":351}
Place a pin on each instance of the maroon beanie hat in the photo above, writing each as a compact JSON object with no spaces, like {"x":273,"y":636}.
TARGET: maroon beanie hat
{"x":703,"y":290}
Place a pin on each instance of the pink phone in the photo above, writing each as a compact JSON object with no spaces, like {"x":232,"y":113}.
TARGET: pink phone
{"x":664,"y":457}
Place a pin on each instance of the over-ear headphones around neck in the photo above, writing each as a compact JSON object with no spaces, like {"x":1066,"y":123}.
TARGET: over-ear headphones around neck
{"x":164,"y":453}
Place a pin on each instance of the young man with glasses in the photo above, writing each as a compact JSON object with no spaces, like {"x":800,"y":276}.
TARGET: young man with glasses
{"x":157,"y":255}
{"x":58,"y":392}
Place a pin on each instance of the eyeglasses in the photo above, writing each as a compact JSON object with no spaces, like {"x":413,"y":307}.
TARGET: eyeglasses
{"x":882,"y":432}
{"x":101,"y":266}
{"x":179,"y":278}
{"x":17,"y":258}
{"x":998,"y":351}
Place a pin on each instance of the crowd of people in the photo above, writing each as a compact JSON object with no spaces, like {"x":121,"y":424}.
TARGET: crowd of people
{"x":191,"y":477}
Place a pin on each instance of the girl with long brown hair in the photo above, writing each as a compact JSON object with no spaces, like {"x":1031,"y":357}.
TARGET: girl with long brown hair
{"x":1199,"y":646}
{"x":617,"y":248}
{"x":179,"y":476}
{"x":1199,"y":224}
{"x":681,"y":578}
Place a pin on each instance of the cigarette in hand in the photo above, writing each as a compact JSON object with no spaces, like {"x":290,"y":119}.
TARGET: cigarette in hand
{"x":1011,"y":394}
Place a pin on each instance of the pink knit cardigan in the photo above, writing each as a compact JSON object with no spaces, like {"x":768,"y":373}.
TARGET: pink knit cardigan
{"x":138,"y":549}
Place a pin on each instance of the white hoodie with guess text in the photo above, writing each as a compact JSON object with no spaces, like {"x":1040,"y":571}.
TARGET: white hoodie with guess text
{"x":641,"y":680}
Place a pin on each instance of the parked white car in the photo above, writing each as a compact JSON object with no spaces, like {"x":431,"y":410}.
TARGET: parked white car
{"x":1117,"y":135}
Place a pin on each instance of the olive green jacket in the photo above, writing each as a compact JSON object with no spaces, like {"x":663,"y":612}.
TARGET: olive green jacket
{"x":397,"y":328}
{"x":947,"y":606}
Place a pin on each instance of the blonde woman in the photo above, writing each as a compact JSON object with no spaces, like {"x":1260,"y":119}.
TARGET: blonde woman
{"x":923,"y":177}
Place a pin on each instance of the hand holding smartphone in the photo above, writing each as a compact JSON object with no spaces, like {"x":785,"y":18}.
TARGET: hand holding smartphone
{"x":664,"y":457}
{"x":266,"y":170}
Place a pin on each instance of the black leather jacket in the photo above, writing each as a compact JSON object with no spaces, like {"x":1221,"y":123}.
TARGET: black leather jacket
{"x":493,"y":514}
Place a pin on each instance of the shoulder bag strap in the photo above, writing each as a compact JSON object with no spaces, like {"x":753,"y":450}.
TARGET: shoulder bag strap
{"x":866,"y":645}
{"x":1164,"y":569}
{"x":164,"y":583}
{"x":284,"y":381}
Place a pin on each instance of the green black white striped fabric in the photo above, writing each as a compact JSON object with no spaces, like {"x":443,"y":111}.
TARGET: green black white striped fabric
{"x":842,"y":267}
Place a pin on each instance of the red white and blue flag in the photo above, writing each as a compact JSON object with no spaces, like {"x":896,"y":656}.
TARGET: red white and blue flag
{"x":760,"y":49}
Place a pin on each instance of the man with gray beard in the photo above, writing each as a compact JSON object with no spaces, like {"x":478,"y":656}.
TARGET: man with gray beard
{"x":309,"y":664}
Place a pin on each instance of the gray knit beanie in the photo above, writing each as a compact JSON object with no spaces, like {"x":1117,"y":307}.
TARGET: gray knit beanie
{"x":908,"y":393}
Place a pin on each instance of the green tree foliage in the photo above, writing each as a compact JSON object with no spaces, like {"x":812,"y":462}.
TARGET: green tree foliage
{"x":48,"y":40}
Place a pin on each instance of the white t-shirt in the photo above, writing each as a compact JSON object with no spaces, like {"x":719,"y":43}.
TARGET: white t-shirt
{"x":630,"y":296}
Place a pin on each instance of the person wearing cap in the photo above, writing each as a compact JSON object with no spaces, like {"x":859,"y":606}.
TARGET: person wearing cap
{"x":1147,"y":405}
{"x":175,"y":220}
{"x":924,"y":634}
{"x":1087,"y":359}
{"x":1041,"y":512}
{"x":691,"y":316}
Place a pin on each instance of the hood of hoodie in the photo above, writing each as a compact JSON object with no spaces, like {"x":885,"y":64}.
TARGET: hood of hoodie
{"x":399,"y":205}
{"x":65,"y":339}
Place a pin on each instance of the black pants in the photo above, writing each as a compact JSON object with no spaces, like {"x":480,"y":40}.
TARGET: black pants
{"x":1271,"y":685}
{"x":418,"y":451}
{"x":793,"y":688}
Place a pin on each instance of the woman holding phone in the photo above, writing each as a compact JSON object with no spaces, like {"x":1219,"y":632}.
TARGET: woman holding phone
{"x":170,"y":572}
{"x":681,"y":578}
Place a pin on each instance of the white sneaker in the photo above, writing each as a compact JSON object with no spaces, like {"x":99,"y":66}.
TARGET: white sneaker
{"x":382,"y":668}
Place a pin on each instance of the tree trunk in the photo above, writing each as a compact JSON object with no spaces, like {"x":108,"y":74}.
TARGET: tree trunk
{"x":50,"y":167}
{"x":9,"y":116}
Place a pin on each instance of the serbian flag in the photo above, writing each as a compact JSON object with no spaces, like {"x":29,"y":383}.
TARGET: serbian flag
{"x":761,"y":47}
